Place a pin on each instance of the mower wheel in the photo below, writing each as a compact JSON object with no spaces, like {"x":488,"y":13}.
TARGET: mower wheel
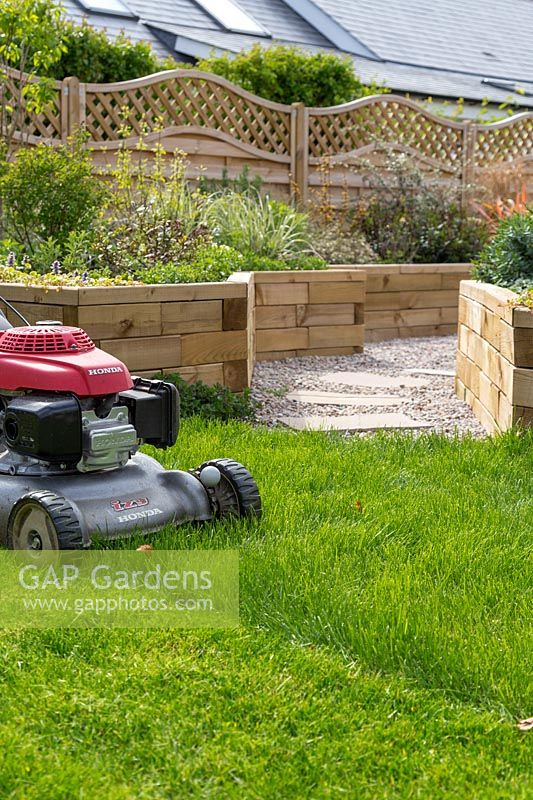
{"x":43,"y":521}
{"x":237,"y":494}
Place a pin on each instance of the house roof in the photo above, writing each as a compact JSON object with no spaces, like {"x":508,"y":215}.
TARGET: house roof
{"x":463,"y":36}
{"x":451,"y":48}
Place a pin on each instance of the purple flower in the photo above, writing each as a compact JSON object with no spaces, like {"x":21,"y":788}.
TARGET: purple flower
{"x":11,"y":259}
{"x":56,"y":267}
{"x":85,"y":277}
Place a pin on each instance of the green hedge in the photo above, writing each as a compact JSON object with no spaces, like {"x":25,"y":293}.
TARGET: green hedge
{"x":289,"y":75}
{"x":91,"y":56}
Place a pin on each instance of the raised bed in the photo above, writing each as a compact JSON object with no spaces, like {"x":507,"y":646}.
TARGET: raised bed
{"x":405,"y":300}
{"x":198,"y":330}
{"x":495,"y":356}
{"x":208,"y":331}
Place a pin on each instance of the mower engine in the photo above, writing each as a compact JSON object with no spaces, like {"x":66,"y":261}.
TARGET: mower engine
{"x":72,"y":420}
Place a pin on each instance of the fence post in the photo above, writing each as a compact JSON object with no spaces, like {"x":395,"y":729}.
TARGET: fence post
{"x":467,"y":166}
{"x":70,"y":107}
{"x":299,"y":153}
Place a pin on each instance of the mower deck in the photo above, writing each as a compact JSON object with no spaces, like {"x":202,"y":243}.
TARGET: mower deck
{"x":141,"y":496}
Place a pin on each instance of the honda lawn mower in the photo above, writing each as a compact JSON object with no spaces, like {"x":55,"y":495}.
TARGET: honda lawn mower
{"x":72,"y":420}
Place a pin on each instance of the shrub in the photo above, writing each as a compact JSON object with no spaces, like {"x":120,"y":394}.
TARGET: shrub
{"x":210,"y":402}
{"x":93,"y":57}
{"x":152,"y":223}
{"x":410,"y":218}
{"x":336,"y":244}
{"x":507,"y":260}
{"x":75,"y":254}
{"x":141,"y":186}
{"x":258,"y":225}
{"x":289,"y":75}
{"x":49,"y":192}
{"x":210,"y":262}
{"x":144,"y":242}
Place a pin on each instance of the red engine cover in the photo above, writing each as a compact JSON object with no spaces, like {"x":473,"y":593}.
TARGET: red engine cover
{"x":58,"y":358}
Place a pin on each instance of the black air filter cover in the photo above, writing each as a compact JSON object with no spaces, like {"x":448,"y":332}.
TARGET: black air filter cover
{"x":47,"y":427}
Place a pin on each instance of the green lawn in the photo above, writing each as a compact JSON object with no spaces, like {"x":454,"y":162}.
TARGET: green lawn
{"x":384,"y":652}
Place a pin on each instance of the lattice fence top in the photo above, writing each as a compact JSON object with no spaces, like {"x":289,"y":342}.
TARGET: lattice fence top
{"x":33,"y":127}
{"x":186,"y":98}
{"x":509,"y":140}
{"x":386,"y":119}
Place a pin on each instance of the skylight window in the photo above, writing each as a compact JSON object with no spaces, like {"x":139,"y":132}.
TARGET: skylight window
{"x":232,"y":17}
{"x":113,"y":7}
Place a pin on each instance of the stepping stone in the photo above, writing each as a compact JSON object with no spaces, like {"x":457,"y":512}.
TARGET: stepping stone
{"x":448,"y":373}
{"x":369,"y":379}
{"x":354,"y":422}
{"x":340,"y":399}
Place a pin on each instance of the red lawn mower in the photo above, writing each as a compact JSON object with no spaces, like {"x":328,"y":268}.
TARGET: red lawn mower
{"x":72,"y":419}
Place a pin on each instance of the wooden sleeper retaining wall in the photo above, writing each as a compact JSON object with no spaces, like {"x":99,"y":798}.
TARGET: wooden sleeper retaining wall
{"x":196,"y":330}
{"x":208,"y":331}
{"x":495,"y":356}
{"x":405,"y":300}
{"x":216,"y":331}
{"x":314,"y":313}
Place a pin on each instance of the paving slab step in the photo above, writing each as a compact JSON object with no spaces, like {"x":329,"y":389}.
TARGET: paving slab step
{"x":341,"y":399}
{"x":354,"y":422}
{"x":370,"y":379}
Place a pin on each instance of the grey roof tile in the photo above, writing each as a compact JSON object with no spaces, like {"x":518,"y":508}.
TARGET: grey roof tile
{"x":437,"y":83}
{"x":132,"y":28}
{"x":474,"y":36}
{"x":230,"y":42}
{"x":282,"y":22}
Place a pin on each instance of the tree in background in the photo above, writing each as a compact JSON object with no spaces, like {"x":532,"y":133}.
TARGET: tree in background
{"x":31,"y":42}
{"x":289,"y":75}
{"x":36,"y":38}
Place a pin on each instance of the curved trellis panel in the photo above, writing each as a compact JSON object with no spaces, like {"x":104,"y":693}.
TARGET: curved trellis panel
{"x":508,"y":140}
{"x":387,"y":119}
{"x":217,"y":124}
{"x":355,"y":134}
{"x":186,"y":98}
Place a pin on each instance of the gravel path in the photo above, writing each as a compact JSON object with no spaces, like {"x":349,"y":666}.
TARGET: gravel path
{"x":435,"y":403}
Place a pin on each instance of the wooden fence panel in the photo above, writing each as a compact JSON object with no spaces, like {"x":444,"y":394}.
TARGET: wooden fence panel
{"x":221,"y":126}
{"x":345,"y":141}
{"x":507,"y":141}
{"x":218,"y":125}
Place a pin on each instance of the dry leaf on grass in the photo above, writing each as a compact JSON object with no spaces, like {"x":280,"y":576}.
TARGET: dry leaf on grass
{"x":145,"y":547}
{"x":525,"y":724}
